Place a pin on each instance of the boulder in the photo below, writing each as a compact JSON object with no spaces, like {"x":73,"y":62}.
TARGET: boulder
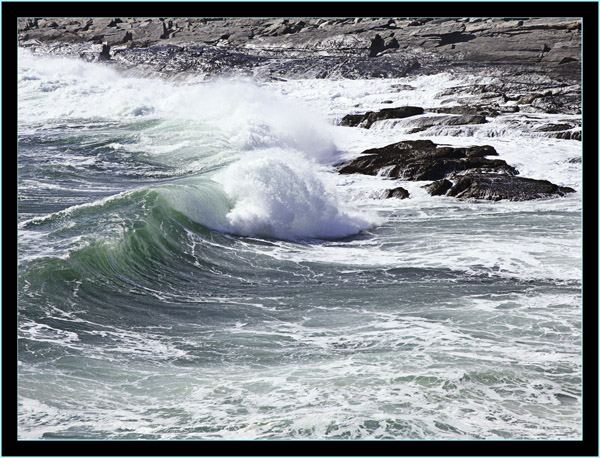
{"x":422,"y":123}
{"x":490,"y":110}
{"x":422,"y":160}
{"x":439,"y":187}
{"x":149,"y":33}
{"x":476,"y":184}
{"x":398,"y":193}
{"x":367,"y":119}
{"x":378,"y":45}
{"x":118,"y":37}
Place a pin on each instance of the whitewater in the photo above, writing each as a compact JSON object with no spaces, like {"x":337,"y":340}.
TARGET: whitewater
{"x":192,"y":266}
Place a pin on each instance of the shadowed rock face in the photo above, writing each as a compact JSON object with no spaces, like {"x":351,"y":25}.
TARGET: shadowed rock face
{"x":397,"y":193}
{"x":496,"y":186}
{"x":464,"y":173}
{"x":424,"y":123}
{"x":367,"y":119}
{"x":421,"y":160}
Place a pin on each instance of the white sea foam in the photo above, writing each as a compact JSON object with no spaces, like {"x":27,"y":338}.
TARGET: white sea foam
{"x":281,"y":195}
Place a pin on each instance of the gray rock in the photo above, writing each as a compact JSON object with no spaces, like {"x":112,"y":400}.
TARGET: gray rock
{"x":149,"y":33}
{"x":367,"y":119}
{"x":397,"y":193}
{"x":487,"y":110}
{"x":494,"y":186}
{"x":423,"y":123}
{"x":527,"y":46}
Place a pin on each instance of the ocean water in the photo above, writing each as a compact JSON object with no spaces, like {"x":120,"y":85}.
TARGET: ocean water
{"x":191,"y":266}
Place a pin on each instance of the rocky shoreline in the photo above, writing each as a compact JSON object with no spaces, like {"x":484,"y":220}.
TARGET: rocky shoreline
{"x":384,"y":47}
{"x":527,"y":65}
{"x":464,"y":173}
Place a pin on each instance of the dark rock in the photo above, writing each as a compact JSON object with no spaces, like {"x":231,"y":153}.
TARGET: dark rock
{"x":558,"y":104}
{"x":352,"y":120}
{"x":366,"y":120}
{"x":528,"y":99}
{"x":402,"y":87}
{"x":566,"y":60}
{"x":490,"y":110}
{"x":497,"y":186}
{"x":554,"y":127}
{"x":105,"y":53}
{"x":457,"y":110}
{"x":423,"y":160}
{"x":102,"y":23}
{"x":379,"y":45}
{"x":422,"y":123}
{"x":439,"y":187}
{"x":534,"y":92}
{"x":568,"y":135}
{"x":398,"y":193}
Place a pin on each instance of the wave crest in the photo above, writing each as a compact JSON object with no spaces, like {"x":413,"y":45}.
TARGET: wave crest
{"x":285,"y":196}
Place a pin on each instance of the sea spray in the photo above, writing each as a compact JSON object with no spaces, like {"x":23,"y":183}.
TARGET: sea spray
{"x":282,"y":195}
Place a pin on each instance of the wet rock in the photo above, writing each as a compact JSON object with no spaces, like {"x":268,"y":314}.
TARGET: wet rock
{"x":105,"y":53}
{"x":423,"y":160}
{"x":423,"y":123}
{"x":558,"y":103}
{"x":397,"y":193}
{"x":402,"y":87}
{"x":475,"y":184}
{"x":567,"y":135}
{"x":530,"y":91}
{"x":439,"y":187}
{"x":527,"y":99}
{"x":489,"y":110}
{"x":367,"y":119}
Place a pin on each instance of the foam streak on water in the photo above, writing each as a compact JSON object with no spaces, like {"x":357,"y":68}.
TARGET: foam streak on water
{"x":191,"y":266}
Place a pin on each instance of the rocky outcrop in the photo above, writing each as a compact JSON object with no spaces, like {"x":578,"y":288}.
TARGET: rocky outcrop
{"x":528,"y":92}
{"x":348,"y":47}
{"x":474,"y":184}
{"x":367,"y":119}
{"x":425,"y":122}
{"x":464,"y":173}
{"x":419,"y":160}
{"x":396,"y":193}
{"x":378,"y":45}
